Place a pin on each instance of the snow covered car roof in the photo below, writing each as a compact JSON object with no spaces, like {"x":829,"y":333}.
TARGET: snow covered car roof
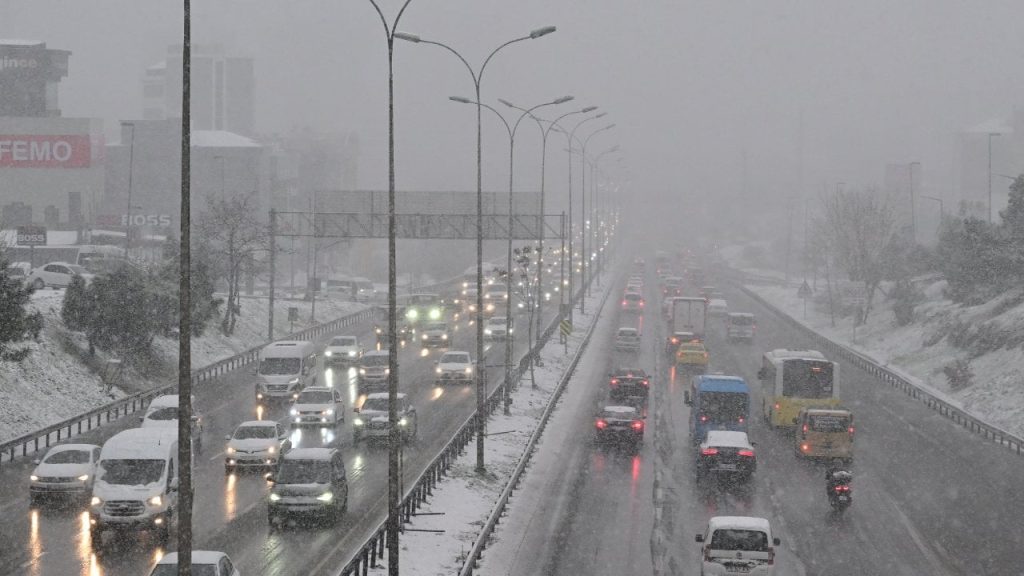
{"x":308,"y":454}
{"x":727,"y":439}
{"x":739,"y":523}
{"x":383,"y":396}
{"x":198,"y":557}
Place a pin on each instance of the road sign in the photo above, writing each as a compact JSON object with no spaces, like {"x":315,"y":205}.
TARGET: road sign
{"x":565,"y":327}
{"x":31,"y":235}
{"x":804,"y":291}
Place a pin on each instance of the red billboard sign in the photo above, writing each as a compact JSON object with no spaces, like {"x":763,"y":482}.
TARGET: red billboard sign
{"x":36,"y":151}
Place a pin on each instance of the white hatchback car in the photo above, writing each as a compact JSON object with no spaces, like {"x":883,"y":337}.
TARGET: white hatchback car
{"x":318,"y":405}
{"x":66,"y":470}
{"x":56,"y":275}
{"x":738,"y":545}
{"x":256,"y":443}
{"x":454,"y":367}
{"x":204,"y":563}
{"x":344,"y":350}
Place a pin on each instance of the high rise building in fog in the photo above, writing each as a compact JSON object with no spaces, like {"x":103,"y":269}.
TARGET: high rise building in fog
{"x":222,"y":89}
{"x":29,"y":75}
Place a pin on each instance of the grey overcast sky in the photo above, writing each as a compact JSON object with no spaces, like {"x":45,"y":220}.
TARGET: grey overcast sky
{"x":692,"y":86}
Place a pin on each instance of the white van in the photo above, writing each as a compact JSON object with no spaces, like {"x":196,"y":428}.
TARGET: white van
{"x":285,"y":368}
{"x":738,"y":544}
{"x":163,"y":413}
{"x":136,"y":485}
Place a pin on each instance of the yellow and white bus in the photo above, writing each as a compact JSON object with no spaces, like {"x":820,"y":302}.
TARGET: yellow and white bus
{"x":795,"y":379}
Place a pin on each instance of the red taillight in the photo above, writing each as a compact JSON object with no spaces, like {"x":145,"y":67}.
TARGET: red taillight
{"x":742,"y":419}
{"x":746,"y":453}
{"x":851,"y":430}
{"x":601,"y":424}
{"x":638,"y":425}
{"x":703,"y":418}
{"x":615,"y":381}
{"x":805,"y":429}
{"x":645,"y":382}
{"x":705,"y":355}
{"x":641,"y":303}
{"x":842,"y":488}
{"x":771,"y":556}
{"x":805,"y":447}
{"x":776,"y":405}
{"x":675,"y":340}
{"x":624,"y":303}
{"x":708,"y":451}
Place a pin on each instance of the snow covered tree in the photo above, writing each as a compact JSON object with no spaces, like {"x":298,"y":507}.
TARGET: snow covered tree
{"x":974,"y":258}
{"x":204,"y":304}
{"x":16,"y":322}
{"x":78,"y":308}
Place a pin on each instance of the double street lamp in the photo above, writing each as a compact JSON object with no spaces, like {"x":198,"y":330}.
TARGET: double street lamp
{"x":512,"y":129}
{"x":477,"y":76}
{"x":597,"y":230}
{"x":584,"y":256}
{"x":570,"y":136}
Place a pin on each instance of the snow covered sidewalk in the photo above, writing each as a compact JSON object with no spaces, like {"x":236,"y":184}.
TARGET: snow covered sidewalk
{"x":460,"y":505}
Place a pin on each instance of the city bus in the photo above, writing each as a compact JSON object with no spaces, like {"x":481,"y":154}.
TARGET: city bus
{"x":795,"y":379}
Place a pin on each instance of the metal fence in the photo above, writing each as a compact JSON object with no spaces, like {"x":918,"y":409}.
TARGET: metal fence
{"x":374,"y":547}
{"x":962,"y":418}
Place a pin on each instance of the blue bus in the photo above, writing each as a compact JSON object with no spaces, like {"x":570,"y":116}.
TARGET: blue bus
{"x":717,"y":403}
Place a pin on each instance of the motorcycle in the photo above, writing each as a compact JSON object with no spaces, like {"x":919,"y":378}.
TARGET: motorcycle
{"x":840,"y":492}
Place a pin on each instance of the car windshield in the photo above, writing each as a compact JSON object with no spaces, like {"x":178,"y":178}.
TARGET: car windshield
{"x":376,"y":404}
{"x":632,"y":296}
{"x":619,"y":412}
{"x":134,"y":472}
{"x":197,"y":570}
{"x":315,"y":397}
{"x":68,"y":457}
{"x":455,"y":358}
{"x":375,"y":360}
{"x":279,"y":366}
{"x":304,"y":472}
{"x":497,"y":321}
{"x":436,"y":327}
{"x":743,"y":540}
{"x":167,"y":413}
{"x":828,"y":422}
{"x":741,"y":320}
{"x":343,"y":341}
{"x":255,"y":432}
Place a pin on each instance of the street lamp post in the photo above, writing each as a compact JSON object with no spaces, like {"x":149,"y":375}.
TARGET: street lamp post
{"x":570,"y":136}
{"x":131,"y":171}
{"x":394,"y":519}
{"x":913,"y":218}
{"x":540,"y":246}
{"x":990,"y":135}
{"x":598,"y":232}
{"x":512,"y":130}
{"x":477,"y":76}
{"x":584,"y":257}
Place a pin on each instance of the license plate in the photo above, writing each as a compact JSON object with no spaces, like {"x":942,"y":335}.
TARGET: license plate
{"x":737,"y":569}
{"x":844,"y":498}
{"x":726,"y":466}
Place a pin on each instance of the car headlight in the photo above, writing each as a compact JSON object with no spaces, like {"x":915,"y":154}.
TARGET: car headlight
{"x":271,"y":450}
{"x":156,"y":501}
{"x":351,"y":352}
{"x":230,"y":450}
{"x":444,"y":336}
{"x":469,"y":370}
{"x":412,"y":314}
{"x":438,"y":370}
{"x":83,"y":478}
{"x":387,"y":371}
{"x":357,"y":422}
{"x":34,"y":478}
{"x":487,"y":331}
{"x":435,"y":314}
{"x":274,"y":496}
{"x":293,"y":381}
{"x":325,"y":497}
{"x":96,"y":501}
{"x":329,"y":411}
{"x":424,"y":336}
{"x":403,"y":422}
{"x":293,"y":412}
{"x":328,"y":353}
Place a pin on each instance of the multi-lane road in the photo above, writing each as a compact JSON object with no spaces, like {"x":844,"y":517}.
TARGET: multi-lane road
{"x":930,"y":498}
{"x":230,"y":510}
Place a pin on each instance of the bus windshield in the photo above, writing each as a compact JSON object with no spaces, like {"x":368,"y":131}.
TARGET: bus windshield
{"x":723,"y":406}
{"x":807,"y":379}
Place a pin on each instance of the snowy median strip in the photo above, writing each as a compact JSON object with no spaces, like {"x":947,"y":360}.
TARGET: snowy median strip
{"x":443,"y":532}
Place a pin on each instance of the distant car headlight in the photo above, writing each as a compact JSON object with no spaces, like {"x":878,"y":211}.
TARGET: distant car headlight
{"x":412,"y":314}
{"x":325,"y":497}
{"x":424,"y":337}
{"x":328,"y":353}
{"x":293,"y":381}
{"x":156,"y":501}
{"x":357,"y":422}
{"x":293,"y":412}
{"x":362,"y":370}
{"x":230,"y":450}
{"x":329,"y":411}
{"x":403,"y":422}
{"x":469,"y":369}
{"x":444,"y":336}
{"x":435,"y":314}
{"x":351,"y":352}
{"x":387,"y":371}
{"x":274,"y":496}
{"x":271,"y":450}
{"x":487,"y":331}
{"x":34,"y":478}
{"x":83,"y":478}
{"x":438,"y":370}
{"x":96,"y":501}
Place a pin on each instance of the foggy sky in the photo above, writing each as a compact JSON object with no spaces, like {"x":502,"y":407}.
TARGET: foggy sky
{"x":692,"y":86}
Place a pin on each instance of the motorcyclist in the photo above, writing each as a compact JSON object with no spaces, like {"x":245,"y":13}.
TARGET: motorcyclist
{"x":836,"y":477}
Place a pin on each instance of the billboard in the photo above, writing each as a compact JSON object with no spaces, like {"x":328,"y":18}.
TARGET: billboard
{"x":45,"y":151}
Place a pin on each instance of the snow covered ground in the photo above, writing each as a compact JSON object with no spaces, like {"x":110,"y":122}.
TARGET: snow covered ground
{"x":54,"y":383}
{"x":466,"y":498}
{"x":921,"y":349}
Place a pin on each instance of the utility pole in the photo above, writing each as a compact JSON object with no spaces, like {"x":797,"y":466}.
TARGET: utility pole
{"x":273,"y":272}
{"x":184,"y":511}
{"x":131,"y":170}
